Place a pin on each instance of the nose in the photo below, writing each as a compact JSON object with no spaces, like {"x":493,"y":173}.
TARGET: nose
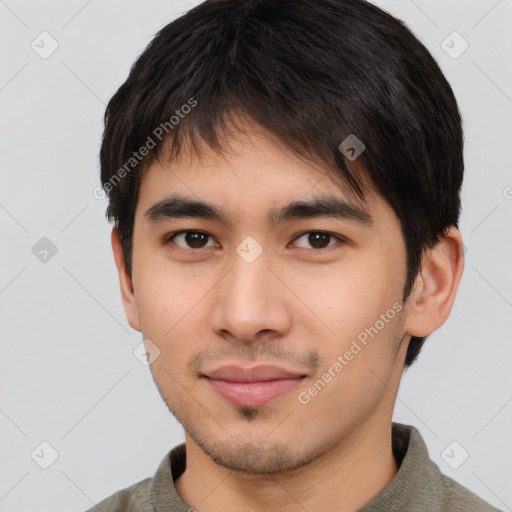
{"x":250,"y":302}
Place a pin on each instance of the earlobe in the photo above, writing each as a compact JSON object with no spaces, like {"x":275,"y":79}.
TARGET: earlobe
{"x":436,"y":285}
{"x":125,"y":282}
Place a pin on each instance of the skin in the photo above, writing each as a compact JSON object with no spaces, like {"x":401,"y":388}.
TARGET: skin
{"x":292,"y":306}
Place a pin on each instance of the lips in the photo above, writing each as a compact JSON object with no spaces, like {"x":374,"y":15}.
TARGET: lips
{"x":252,"y":387}
{"x":256,"y":374}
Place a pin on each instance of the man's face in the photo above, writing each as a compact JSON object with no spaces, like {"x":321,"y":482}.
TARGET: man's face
{"x":304,"y":304}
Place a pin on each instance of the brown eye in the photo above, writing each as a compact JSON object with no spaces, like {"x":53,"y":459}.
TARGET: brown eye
{"x":190,"y":239}
{"x":318,"y":240}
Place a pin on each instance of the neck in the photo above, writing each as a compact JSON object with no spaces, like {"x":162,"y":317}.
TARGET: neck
{"x":345,"y":479}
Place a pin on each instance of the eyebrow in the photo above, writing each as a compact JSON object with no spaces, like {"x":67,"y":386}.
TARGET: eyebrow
{"x":325,"y":206}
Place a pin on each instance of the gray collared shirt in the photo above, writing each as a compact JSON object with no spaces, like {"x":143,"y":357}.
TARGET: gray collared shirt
{"x":419,"y":485}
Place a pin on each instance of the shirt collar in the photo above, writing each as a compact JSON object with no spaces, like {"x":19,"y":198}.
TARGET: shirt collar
{"x":416,"y":475}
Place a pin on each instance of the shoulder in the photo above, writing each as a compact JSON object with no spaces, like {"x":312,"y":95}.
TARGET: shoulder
{"x":135,"y":498}
{"x":421,"y":479}
{"x":458,"y":498}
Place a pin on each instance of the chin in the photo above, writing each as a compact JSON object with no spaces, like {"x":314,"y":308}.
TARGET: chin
{"x":262,"y":458}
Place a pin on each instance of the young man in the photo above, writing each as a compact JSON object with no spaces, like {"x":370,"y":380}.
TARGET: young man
{"x":284,"y":178}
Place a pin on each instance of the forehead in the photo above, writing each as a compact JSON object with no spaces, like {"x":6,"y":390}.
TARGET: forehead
{"x":253,"y":169}
{"x":248,"y":150}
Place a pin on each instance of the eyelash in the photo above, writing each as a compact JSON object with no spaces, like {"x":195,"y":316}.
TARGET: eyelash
{"x":170,"y":237}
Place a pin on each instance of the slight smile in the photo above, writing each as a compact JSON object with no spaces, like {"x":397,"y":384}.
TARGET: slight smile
{"x":252,"y":387}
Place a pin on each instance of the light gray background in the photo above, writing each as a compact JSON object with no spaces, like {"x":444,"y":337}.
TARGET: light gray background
{"x":68,"y":375}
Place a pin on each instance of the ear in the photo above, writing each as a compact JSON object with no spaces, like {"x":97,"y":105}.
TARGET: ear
{"x":125,"y":282}
{"x":436,"y":285}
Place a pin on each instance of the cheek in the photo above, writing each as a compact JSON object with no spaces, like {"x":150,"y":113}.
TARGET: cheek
{"x":166,"y":302}
{"x":350,"y":302}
